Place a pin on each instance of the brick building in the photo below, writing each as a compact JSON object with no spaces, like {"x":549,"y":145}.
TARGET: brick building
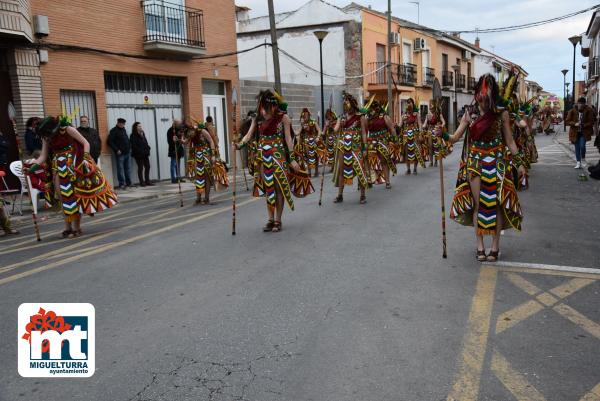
{"x":131,"y":59}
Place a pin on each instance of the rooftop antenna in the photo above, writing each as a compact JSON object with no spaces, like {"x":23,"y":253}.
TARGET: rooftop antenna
{"x":418,"y":10}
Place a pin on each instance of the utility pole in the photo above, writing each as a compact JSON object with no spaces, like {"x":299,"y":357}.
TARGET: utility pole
{"x":274,"y":47}
{"x":389,"y":58}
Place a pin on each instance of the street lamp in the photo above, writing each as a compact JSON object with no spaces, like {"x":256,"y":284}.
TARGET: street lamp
{"x":564,"y":72}
{"x":320,"y":36}
{"x":574,"y":39}
{"x":455,"y":68}
{"x":567,"y":84}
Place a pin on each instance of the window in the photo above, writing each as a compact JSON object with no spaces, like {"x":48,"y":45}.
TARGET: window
{"x":444,"y":62}
{"x":119,"y":82}
{"x":380,"y":53}
{"x":406,"y":53}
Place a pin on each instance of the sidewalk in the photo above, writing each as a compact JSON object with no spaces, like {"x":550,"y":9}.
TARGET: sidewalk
{"x":561,"y":137}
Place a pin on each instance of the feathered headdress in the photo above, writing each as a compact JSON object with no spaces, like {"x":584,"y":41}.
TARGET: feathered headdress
{"x":64,"y":119}
{"x":350,"y":100}
{"x":366,"y":108}
{"x":507,"y":90}
{"x":267,"y":97}
{"x":330,"y":114}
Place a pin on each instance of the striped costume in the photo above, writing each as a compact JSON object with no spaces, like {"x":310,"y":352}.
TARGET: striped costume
{"x":486,"y":156}
{"x":82,"y":186}
{"x":309,"y":143}
{"x":329,"y":136}
{"x":271,"y":166}
{"x":203,"y":174}
{"x":379,"y":151}
{"x":349,"y":153}
{"x":412,"y":148}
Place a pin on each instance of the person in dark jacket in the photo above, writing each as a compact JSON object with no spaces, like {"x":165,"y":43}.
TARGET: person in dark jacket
{"x":119,"y":143}
{"x":4,"y":146}
{"x":92,"y":136}
{"x":175,"y":136}
{"x":33,"y":142}
{"x":140,"y":150}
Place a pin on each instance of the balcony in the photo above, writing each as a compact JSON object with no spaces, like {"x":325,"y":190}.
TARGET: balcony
{"x":428,"y":76}
{"x":471,"y":83}
{"x":407,"y":74}
{"x":460,"y":81}
{"x":15,"y":21}
{"x":380,"y":77}
{"x":173,"y":29}
{"x":447,"y":79}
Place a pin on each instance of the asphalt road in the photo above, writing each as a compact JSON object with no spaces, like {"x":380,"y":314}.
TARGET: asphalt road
{"x":348,"y":302}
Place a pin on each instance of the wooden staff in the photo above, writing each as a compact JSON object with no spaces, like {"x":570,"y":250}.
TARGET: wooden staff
{"x":325,"y":162}
{"x":234,"y":101}
{"x":444,"y":254}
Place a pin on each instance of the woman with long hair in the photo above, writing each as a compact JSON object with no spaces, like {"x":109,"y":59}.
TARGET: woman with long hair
{"x":274,"y":157}
{"x":351,"y":145}
{"x":435,"y":142}
{"x":78,"y":183}
{"x":307,"y":141}
{"x":329,"y":138}
{"x":140,"y":150}
{"x":485,"y":195}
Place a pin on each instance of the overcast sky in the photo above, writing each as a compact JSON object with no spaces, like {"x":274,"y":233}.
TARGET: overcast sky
{"x":543,"y":51}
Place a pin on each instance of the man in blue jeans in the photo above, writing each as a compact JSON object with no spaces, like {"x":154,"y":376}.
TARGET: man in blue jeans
{"x":581,"y":120}
{"x":119,"y":143}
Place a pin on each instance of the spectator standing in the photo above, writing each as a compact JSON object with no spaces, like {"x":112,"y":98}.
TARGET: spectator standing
{"x":176,"y":140}
{"x":140,"y":150}
{"x":33,"y":143}
{"x":119,"y":143}
{"x":4,"y":220}
{"x":581,"y":126}
{"x":92,"y":136}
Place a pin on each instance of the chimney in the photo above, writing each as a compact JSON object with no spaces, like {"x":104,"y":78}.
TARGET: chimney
{"x":477,"y":42}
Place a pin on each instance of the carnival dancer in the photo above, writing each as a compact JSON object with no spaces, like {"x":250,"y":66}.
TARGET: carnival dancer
{"x":485,"y":194}
{"x":380,"y":127}
{"x":203,"y":153}
{"x":80,"y":184}
{"x":350,"y":147}
{"x":437,"y":145}
{"x":329,"y":138}
{"x":274,"y":145}
{"x":411,"y":126}
{"x":307,"y":142}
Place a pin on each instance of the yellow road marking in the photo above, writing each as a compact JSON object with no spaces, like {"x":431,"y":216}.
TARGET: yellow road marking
{"x":513,"y":380}
{"x":566,"y":311}
{"x":523,"y":284}
{"x":466,"y":387}
{"x":55,"y":252}
{"x":118,"y":244}
{"x":529,"y":308}
{"x":593,"y":395}
{"x":80,"y":243}
{"x":510,"y":318}
{"x":571,"y":286}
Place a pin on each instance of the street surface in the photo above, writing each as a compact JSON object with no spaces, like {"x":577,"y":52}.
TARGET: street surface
{"x":348,"y":302}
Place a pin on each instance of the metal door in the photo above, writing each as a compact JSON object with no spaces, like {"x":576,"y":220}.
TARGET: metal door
{"x":214,"y":106}
{"x":164,"y":121}
{"x":147,"y":117}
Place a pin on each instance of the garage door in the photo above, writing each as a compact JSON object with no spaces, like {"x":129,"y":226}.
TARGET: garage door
{"x":154,"y":102}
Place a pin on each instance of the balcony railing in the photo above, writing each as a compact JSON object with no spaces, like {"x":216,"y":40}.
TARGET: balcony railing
{"x":471,"y":83}
{"x":447,"y":78}
{"x":173,"y":28}
{"x":407,"y":74}
{"x":428,"y":76}
{"x":380,"y":77}
{"x":593,"y":68}
{"x":461,"y":81}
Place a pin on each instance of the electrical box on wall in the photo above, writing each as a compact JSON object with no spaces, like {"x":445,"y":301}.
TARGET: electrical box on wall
{"x":43,"y":54}
{"x":40,"y":25}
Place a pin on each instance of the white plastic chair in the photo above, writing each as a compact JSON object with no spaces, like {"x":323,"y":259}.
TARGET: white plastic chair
{"x":16,"y":168}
